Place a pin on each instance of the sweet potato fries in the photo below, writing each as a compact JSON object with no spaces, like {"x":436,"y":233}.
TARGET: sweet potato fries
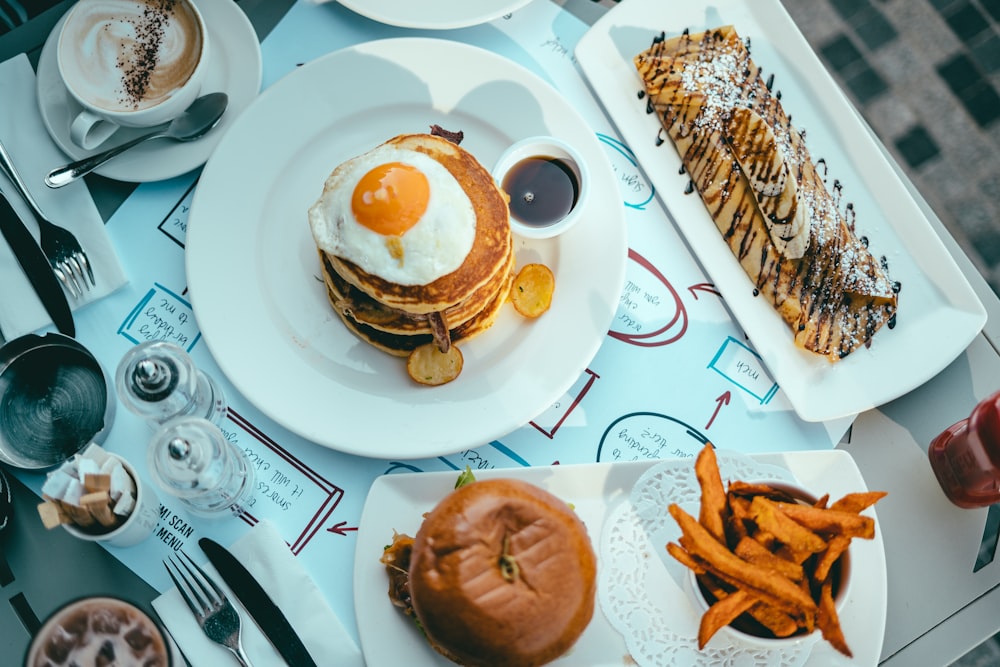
{"x":767,"y":562}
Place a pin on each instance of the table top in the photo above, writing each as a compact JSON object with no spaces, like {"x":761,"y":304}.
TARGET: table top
{"x":928,"y":624}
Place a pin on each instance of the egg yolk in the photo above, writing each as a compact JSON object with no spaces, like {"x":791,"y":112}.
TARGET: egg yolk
{"x":391,"y":198}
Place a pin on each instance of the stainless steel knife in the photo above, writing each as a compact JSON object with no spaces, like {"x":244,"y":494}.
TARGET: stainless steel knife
{"x":258,"y":604}
{"x":36,"y":266}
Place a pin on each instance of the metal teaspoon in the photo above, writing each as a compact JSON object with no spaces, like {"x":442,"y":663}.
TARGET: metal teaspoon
{"x":203,"y":114}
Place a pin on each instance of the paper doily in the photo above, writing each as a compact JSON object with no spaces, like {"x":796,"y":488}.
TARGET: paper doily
{"x":641,"y":587}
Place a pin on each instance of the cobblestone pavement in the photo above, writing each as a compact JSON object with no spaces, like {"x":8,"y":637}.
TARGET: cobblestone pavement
{"x":925,"y":74}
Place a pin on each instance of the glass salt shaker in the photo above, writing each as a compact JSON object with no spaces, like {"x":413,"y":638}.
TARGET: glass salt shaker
{"x":159,"y":381}
{"x":191,"y":459}
{"x":965,"y":458}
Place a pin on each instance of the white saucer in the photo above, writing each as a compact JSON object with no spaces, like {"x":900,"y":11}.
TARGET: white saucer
{"x":234,"y":68}
{"x":433,"y":14}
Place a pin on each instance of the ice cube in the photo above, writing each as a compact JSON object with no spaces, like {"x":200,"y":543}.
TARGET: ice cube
{"x":77,"y":624}
{"x":106,"y":655}
{"x":109,"y":620}
{"x":60,"y":645}
{"x":138,"y":639}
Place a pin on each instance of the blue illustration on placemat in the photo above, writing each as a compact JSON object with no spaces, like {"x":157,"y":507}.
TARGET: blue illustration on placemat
{"x":162,"y":315}
{"x":649,"y":436}
{"x":744,"y":368}
{"x":637,"y":191}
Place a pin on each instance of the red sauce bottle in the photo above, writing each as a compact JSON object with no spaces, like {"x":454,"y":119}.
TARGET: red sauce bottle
{"x":966,"y":457}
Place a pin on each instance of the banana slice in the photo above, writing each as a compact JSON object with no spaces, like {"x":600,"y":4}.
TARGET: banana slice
{"x":763,"y":162}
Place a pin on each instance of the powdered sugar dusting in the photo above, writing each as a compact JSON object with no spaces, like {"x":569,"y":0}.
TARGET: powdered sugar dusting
{"x":696,"y":83}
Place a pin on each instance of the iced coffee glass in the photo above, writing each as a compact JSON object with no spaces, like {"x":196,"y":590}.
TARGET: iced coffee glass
{"x":100,"y":631}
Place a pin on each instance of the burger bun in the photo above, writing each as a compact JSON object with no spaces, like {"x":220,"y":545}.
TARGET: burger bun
{"x":502,"y":572}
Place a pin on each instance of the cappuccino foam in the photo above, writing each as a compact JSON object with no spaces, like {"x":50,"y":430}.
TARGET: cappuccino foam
{"x":127,"y":55}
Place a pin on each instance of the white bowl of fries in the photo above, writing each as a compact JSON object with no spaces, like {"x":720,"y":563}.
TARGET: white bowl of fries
{"x":768,"y":564}
{"x":763,"y":625}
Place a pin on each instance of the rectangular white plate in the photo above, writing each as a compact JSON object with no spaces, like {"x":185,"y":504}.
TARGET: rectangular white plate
{"x":939,"y":314}
{"x":399,"y":501}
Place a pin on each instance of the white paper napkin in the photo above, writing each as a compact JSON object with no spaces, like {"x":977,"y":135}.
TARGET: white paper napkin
{"x":264,"y":553}
{"x":34,"y":154}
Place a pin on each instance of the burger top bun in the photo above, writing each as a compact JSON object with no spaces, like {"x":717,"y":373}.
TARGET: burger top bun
{"x":502,"y":573}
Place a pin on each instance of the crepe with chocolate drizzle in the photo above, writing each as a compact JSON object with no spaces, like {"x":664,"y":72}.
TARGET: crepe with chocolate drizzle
{"x":758,"y":182}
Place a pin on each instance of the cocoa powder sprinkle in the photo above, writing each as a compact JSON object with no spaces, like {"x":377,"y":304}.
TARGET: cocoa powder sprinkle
{"x":137,"y":65}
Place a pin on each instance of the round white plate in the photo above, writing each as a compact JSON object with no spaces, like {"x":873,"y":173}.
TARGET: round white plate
{"x":433,"y":14}
{"x":253,"y":269}
{"x":235,"y":68}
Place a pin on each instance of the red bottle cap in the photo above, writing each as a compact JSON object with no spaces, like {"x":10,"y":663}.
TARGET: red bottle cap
{"x":965,"y":457}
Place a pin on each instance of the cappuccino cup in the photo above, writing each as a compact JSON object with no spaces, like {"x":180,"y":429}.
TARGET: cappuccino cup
{"x":130,"y":63}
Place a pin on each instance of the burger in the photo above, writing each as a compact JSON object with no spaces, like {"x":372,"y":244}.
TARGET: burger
{"x":500,"y":572}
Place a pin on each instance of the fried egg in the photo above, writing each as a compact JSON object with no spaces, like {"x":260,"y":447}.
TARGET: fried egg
{"x":396,"y":213}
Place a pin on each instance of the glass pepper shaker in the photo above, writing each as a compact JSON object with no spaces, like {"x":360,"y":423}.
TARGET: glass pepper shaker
{"x":191,"y":459}
{"x":159,"y":381}
{"x":966,"y":457}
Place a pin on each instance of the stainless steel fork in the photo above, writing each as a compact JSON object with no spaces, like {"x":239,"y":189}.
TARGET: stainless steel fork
{"x":211,"y":608}
{"x":69,"y":261}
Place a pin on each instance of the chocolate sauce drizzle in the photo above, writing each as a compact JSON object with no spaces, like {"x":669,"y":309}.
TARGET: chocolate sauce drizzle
{"x":831,"y":263}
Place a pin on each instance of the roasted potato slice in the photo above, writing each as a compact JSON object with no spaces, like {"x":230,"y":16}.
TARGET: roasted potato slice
{"x":532,"y":290}
{"x":428,"y":365}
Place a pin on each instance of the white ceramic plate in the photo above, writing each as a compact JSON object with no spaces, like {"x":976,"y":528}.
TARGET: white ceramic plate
{"x":596,"y":491}
{"x":234,"y":68}
{"x":433,"y":14}
{"x":939,"y":314}
{"x":253,"y":270}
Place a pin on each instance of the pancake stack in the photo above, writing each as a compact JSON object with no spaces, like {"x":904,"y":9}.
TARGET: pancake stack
{"x":754,"y":173}
{"x":398,"y":318}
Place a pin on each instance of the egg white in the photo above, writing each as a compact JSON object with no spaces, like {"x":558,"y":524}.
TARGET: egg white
{"x":435,"y":246}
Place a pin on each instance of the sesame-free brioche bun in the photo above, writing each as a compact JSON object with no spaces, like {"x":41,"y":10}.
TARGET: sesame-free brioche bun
{"x":502,"y":572}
